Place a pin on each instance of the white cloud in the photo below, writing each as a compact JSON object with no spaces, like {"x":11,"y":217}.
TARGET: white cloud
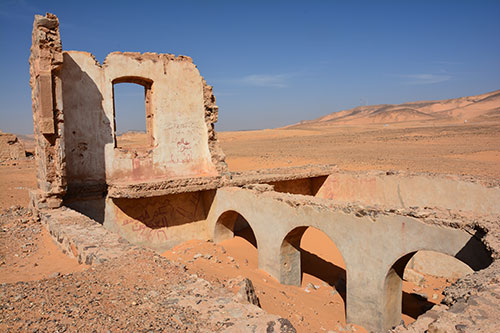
{"x":267,"y":80}
{"x":426,"y":78}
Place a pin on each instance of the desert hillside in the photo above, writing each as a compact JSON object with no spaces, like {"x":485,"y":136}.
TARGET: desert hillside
{"x":479,"y":108}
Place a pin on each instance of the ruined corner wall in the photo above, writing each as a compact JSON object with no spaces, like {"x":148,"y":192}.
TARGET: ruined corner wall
{"x":78,"y":157}
{"x":180,"y":123}
{"x":45,"y":63}
{"x":182,"y":154}
{"x":211,"y":117}
{"x":180,"y":111}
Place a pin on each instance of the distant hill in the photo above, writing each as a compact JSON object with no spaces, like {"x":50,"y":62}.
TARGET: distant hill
{"x":480,"y":108}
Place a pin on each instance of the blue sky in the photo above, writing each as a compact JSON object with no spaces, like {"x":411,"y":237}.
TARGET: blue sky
{"x":272,"y":63}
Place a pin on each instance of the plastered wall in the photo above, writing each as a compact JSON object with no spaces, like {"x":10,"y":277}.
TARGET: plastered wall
{"x":179,"y":130}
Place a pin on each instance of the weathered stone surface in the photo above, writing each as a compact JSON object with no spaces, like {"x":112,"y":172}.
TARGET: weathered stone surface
{"x":371,"y":239}
{"x":406,"y":190}
{"x":180,"y":115}
{"x":11,"y":148}
{"x":83,"y":238}
{"x":438,"y":264}
{"x":414,"y":277}
{"x":170,"y":186}
{"x":246,"y":292}
{"x":45,"y":62}
{"x":279,"y":174}
{"x":472,"y":306}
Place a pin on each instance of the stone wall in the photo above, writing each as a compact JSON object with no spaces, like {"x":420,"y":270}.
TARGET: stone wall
{"x":45,"y":63}
{"x":77,"y":153}
{"x":11,"y":148}
{"x":403,"y":190}
{"x":180,"y":116}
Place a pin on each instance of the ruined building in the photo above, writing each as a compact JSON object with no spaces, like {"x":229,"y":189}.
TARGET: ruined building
{"x":176,"y":186}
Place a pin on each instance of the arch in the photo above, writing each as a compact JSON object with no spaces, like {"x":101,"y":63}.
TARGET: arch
{"x":147,"y":84}
{"x":296,"y":260}
{"x":474,"y":254}
{"x":134,"y":79}
{"x":230,"y":224}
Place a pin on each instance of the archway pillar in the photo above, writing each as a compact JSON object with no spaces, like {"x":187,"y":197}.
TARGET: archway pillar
{"x":269,"y":261}
{"x":366,"y":302}
{"x":290,"y":265}
{"x":290,"y":271}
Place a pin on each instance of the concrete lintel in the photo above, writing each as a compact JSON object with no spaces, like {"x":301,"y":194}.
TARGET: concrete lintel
{"x":165,"y":187}
{"x":280,"y":174}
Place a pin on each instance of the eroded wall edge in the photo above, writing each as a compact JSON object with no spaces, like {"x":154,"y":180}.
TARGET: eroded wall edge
{"x":45,"y":62}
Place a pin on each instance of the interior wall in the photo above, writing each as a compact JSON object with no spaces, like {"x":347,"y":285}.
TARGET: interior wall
{"x":160,"y":222}
{"x":304,"y":186}
{"x":394,"y":190}
{"x":180,"y":145}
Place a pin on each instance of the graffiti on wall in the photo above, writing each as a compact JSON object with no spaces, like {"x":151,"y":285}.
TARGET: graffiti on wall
{"x":149,"y":218}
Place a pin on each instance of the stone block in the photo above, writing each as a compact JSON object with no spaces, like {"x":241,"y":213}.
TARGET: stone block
{"x":54,"y":203}
{"x":438,"y":264}
{"x":414,"y":277}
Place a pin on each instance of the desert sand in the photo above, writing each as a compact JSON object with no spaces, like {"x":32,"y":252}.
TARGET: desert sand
{"x":465,"y":149}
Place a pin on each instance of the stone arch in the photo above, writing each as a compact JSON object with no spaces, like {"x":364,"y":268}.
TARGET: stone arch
{"x":474,"y":254}
{"x":148,"y":88}
{"x":291,"y":256}
{"x":230,"y":223}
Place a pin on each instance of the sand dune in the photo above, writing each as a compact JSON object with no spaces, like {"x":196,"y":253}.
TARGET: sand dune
{"x":480,"y":108}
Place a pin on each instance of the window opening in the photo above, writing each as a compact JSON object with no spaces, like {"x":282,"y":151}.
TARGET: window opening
{"x":132,"y":113}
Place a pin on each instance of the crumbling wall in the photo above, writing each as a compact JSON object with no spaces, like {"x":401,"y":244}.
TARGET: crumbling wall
{"x":45,"y":63}
{"x":87,"y":127}
{"x":180,"y":121}
{"x":400,"y":190}
{"x":211,"y":116}
{"x":82,"y":163}
{"x":160,"y":222}
{"x":76,"y":148}
{"x":11,"y":148}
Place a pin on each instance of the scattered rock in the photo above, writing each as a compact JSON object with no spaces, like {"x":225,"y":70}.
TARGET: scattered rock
{"x":312,"y":286}
{"x":412,"y":276}
{"x":246,"y":292}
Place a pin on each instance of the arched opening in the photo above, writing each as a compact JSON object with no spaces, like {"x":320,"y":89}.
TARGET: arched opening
{"x":235,"y":235}
{"x":310,"y":259}
{"x":133,"y":112}
{"x":415,"y":282}
{"x":232,"y":224}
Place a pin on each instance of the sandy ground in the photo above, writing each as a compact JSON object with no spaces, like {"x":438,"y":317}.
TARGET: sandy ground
{"x":16,"y":178}
{"x":318,"y":305}
{"x":462,"y":149}
{"x":28,"y":252}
